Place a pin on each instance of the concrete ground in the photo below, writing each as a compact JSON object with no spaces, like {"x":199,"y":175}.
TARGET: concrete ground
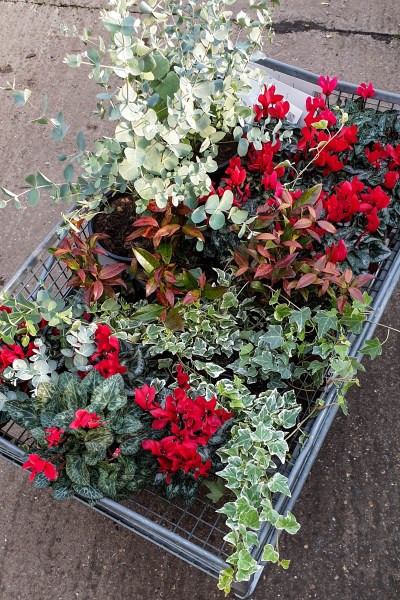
{"x":349,"y":544}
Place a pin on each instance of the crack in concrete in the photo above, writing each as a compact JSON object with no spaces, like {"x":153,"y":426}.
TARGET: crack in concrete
{"x":304,"y":26}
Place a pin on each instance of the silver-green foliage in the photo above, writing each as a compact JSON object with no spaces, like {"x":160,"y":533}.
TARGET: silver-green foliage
{"x":174,"y":75}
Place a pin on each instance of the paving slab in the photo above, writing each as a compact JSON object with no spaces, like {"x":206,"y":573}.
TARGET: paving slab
{"x":349,"y":543}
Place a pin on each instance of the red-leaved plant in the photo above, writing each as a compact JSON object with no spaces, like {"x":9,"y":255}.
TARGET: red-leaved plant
{"x":81,"y":258}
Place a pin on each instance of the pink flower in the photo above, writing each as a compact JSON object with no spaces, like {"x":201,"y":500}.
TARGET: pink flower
{"x":85,"y":419}
{"x":39,"y":465}
{"x":327,"y":84}
{"x":366,"y":91}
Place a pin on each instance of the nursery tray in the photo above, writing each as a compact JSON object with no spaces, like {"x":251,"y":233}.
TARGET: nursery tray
{"x":196,"y":533}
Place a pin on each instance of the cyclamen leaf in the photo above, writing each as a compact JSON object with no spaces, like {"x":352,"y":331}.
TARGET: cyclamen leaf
{"x":98,"y":438}
{"x":77,"y":470}
{"x":89,"y":492}
{"x":62,"y":491}
{"x":109,"y":390}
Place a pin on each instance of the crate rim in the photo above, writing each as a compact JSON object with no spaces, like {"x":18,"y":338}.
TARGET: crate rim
{"x":310,"y":77}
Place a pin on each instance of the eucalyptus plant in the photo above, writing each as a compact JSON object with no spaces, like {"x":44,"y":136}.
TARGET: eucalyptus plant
{"x":174,"y":75}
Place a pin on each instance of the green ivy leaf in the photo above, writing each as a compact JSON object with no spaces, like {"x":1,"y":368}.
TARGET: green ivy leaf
{"x":285,"y":564}
{"x":300,"y":318}
{"x":274,"y":336}
{"x":326,"y":320}
{"x":288,"y":523}
{"x":279,"y":483}
{"x":270,"y":554}
{"x":225,"y":580}
{"x":372,"y":348}
{"x":217,"y":489}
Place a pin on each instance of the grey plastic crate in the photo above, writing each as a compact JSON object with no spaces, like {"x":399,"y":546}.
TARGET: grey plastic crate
{"x":196,"y":533}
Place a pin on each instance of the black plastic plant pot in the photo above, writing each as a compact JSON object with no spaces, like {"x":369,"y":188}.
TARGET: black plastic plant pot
{"x":108,"y":257}
{"x":195,"y":534}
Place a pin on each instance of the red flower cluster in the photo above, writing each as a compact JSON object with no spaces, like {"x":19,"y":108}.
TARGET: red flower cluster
{"x":192,"y":424}
{"x":337,"y":252}
{"x":10,"y":352}
{"x":263,"y":162}
{"x":388,"y":154}
{"x":329,"y":147}
{"x":107,"y":352}
{"x":272,"y":105}
{"x":39,"y":465}
{"x":85,"y":419}
{"x":54,"y":436}
{"x":348,"y":200}
{"x":235,"y":177}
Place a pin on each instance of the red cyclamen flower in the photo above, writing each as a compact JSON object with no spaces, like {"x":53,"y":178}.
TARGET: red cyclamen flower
{"x":182,"y":378}
{"x":85,"y":419}
{"x":54,"y":436}
{"x":39,"y":465}
{"x":337,"y":252}
{"x":110,"y":366}
{"x":391,"y":178}
{"x":366,"y":91}
{"x":144,"y":397}
{"x":327,"y":84}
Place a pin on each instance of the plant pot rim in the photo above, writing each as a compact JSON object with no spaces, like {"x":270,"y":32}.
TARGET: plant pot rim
{"x":116,"y":257}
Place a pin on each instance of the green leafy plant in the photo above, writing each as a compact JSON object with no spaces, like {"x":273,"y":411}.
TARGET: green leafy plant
{"x":91,"y":433}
